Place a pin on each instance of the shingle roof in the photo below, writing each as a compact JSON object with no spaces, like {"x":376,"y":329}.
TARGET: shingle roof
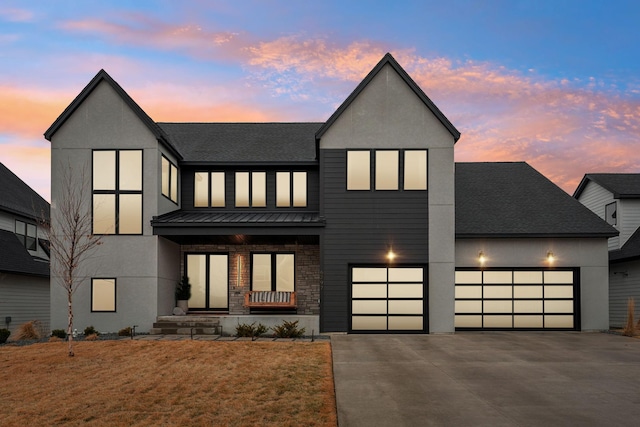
{"x":388,"y":59}
{"x":244,"y":142}
{"x":14,"y":257}
{"x":226,"y":219}
{"x":18,"y":198}
{"x":100,"y":77}
{"x":630,"y":250}
{"x":622,"y":185}
{"x":515,"y":200}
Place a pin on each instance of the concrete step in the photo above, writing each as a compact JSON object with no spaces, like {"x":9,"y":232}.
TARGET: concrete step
{"x":186,"y":324}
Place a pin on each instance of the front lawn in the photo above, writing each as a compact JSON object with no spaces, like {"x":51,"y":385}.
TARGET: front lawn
{"x":168,"y":383}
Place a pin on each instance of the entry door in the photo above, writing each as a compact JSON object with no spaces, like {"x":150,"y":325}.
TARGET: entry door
{"x":209,"y":277}
{"x":388,"y":299}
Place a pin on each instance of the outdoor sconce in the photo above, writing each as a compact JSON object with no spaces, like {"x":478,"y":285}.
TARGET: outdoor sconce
{"x":550,"y":257}
{"x":481,"y":258}
{"x":390,"y":255}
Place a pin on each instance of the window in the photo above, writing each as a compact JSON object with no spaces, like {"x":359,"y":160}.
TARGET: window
{"x":273,"y":272}
{"x":358,"y":170}
{"x":169,"y":180}
{"x":117,"y":192}
{"x":251,"y":189}
{"x":202,"y":197}
{"x":415,"y":170}
{"x":611,"y":213}
{"x":27,"y":233}
{"x":103,"y":295}
{"x":285,"y":181}
{"x":386,"y":170}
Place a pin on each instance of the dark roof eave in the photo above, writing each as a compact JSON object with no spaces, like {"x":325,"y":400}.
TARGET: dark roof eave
{"x":389,"y":59}
{"x":24,"y":273}
{"x":235,"y":224}
{"x":532,"y":235}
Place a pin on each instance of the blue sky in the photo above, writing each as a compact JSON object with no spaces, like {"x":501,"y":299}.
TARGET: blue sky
{"x":553,"y":83}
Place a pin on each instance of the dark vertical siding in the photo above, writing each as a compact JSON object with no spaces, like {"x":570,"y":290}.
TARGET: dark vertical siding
{"x":360,"y":228}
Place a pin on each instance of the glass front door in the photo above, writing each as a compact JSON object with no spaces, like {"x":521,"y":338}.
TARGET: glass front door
{"x":209,"y":277}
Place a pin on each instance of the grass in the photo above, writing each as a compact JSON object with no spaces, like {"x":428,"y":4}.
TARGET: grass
{"x":168,"y":383}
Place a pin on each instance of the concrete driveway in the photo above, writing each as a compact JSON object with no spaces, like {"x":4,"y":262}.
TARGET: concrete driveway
{"x":487,"y":379}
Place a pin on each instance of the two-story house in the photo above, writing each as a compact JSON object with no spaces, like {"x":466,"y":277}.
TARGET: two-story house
{"x":24,"y":254}
{"x":615,"y":197}
{"x":361,"y":223}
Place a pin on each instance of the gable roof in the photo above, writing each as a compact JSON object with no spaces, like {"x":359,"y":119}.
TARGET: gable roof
{"x":390,"y":60}
{"x":18,"y":198}
{"x":630,"y":250}
{"x":103,"y":76}
{"x":622,"y":185}
{"x":515,"y":200}
{"x":244,"y":142}
{"x":14,"y":257}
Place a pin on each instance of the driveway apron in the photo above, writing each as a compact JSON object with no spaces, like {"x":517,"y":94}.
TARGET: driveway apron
{"x":487,"y":379}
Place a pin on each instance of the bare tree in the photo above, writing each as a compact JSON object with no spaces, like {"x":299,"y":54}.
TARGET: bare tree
{"x":70,"y":236}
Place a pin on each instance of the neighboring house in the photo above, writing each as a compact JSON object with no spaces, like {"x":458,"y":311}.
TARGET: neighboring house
{"x":615,"y":197}
{"x":364,"y":217}
{"x":24,"y":254}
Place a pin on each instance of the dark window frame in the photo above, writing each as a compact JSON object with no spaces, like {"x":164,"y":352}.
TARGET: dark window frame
{"x":24,"y":238}
{"x":613,"y":215}
{"x":115,"y":295}
{"x":172,"y":166}
{"x":274,"y":274}
{"x":373,"y":168}
{"x":250,"y":189}
{"x":292,"y":189}
{"x":117,"y":192}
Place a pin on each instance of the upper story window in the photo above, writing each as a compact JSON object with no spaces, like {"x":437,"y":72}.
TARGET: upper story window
{"x":388,"y":169}
{"x":415,"y":169}
{"x":117,"y":191}
{"x":27,"y":233}
{"x":291,"y":189}
{"x":169,"y":180}
{"x":251,"y":189}
{"x":358,"y":170}
{"x":611,"y":213}
{"x":208,"y":189}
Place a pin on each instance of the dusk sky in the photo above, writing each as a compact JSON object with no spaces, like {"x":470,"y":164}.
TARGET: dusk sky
{"x":554,"y":83}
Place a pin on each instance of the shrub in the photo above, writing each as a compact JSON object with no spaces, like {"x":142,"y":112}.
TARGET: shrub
{"x":60,"y":333}
{"x":91,"y":337}
{"x":246,"y":330}
{"x":4,"y":334}
{"x":90,"y":330}
{"x":28,"y":331}
{"x":183,"y":289}
{"x":54,"y":338}
{"x":288,"y":330}
{"x":125,"y":332}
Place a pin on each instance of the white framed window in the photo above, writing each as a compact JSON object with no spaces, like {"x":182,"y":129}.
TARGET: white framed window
{"x":27,"y":233}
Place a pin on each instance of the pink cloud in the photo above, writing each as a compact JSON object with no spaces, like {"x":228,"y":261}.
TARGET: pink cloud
{"x":16,"y":14}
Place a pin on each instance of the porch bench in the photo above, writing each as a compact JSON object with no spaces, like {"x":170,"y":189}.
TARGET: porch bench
{"x":270,"y":299}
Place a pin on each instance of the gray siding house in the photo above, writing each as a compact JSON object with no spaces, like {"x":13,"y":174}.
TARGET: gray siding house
{"x":359,"y":224}
{"x":615,"y":197}
{"x":24,"y":254}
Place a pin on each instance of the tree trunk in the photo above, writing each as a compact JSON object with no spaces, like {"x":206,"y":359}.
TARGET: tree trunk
{"x":70,"y":324}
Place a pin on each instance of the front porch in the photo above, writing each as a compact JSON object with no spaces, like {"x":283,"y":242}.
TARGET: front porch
{"x":225,"y":324}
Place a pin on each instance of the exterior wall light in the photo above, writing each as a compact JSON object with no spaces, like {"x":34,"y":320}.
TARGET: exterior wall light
{"x":391,"y":255}
{"x":550,"y":257}
{"x":481,"y":258}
